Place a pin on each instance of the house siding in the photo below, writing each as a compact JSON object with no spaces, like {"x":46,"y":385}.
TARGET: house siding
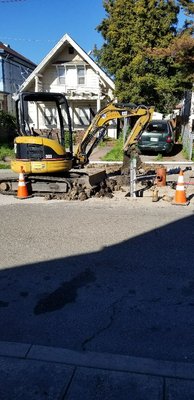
{"x":1,"y":75}
{"x":14,"y":69}
{"x":50,"y":81}
{"x":81,"y":110}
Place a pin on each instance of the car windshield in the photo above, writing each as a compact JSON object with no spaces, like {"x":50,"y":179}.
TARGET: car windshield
{"x":159,"y":126}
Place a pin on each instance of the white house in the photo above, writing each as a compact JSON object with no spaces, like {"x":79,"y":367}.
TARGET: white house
{"x":69,"y":69}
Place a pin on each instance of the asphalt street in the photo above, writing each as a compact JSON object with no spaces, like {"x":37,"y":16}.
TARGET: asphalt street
{"x":110,"y":276}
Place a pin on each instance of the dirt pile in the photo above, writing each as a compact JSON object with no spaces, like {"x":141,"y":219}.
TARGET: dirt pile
{"x":80,"y":192}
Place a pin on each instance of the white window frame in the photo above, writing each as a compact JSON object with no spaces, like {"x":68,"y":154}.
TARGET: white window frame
{"x":81,"y":78}
{"x":62,"y":73}
{"x":61,"y":77}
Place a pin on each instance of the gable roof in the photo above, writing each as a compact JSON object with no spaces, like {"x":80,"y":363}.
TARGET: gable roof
{"x":67,"y":39}
{"x":8,"y":50}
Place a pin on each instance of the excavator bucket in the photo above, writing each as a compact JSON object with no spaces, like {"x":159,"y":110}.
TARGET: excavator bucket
{"x":125,"y":169}
{"x":97,"y":178}
{"x":127,"y":157}
{"x":91,"y":180}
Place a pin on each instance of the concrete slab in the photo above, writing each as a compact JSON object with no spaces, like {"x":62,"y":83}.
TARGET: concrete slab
{"x":179,"y":389}
{"x":93,"y":384}
{"x":13,"y":349}
{"x":32,"y":380}
{"x":114,"y":362}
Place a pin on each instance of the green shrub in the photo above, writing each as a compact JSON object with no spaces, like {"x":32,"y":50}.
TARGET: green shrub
{"x":8,"y":128}
{"x":6,"y":151}
{"x":67,"y":139}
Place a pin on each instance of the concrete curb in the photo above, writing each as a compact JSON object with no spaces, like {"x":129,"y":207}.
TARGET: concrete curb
{"x":98,"y":162}
{"x":112,"y":362}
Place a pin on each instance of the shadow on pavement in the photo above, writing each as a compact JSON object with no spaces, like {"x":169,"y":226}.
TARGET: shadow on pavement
{"x":134,"y":298}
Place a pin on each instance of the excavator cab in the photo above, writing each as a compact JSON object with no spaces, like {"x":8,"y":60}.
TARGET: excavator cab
{"x":42,"y":146}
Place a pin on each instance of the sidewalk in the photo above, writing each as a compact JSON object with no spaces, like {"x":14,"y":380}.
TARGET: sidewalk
{"x":32,"y":372}
{"x":99,"y":152}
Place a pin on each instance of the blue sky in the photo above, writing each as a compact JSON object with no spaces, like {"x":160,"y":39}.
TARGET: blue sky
{"x":33,"y":27}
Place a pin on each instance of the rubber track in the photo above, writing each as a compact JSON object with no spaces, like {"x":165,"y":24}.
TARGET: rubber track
{"x":40,"y":179}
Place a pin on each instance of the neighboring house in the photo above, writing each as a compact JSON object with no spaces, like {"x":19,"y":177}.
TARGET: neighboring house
{"x":14,"y":69}
{"x":70,"y":70}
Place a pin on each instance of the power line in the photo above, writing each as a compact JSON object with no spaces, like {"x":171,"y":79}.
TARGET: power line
{"x":11,"y":1}
{"x":26,"y":39}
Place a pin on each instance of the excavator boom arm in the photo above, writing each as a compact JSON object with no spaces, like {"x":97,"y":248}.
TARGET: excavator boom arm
{"x":142,"y":121}
{"x":97,"y":129}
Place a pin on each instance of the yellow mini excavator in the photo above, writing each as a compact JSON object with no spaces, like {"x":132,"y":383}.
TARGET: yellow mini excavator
{"x":44,"y":147}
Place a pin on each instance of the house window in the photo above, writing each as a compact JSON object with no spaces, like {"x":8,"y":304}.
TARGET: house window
{"x":61,"y":74}
{"x":71,"y":50}
{"x":81,"y":75}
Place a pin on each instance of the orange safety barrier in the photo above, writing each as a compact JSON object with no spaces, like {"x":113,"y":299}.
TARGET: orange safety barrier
{"x":22,"y":191}
{"x":180,"y":194}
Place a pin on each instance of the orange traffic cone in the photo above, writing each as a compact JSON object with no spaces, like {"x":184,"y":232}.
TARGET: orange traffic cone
{"x":180,"y":195}
{"x":22,"y":192}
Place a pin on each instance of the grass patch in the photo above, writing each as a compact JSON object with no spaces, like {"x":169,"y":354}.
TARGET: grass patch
{"x":4,"y":166}
{"x":159,"y":157}
{"x":116,"y":153}
{"x":186,"y":154}
{"x":107,"y":141}
{"x":6,"y":151}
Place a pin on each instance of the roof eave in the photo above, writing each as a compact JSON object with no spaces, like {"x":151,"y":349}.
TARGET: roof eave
{"x":47,"y":59}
